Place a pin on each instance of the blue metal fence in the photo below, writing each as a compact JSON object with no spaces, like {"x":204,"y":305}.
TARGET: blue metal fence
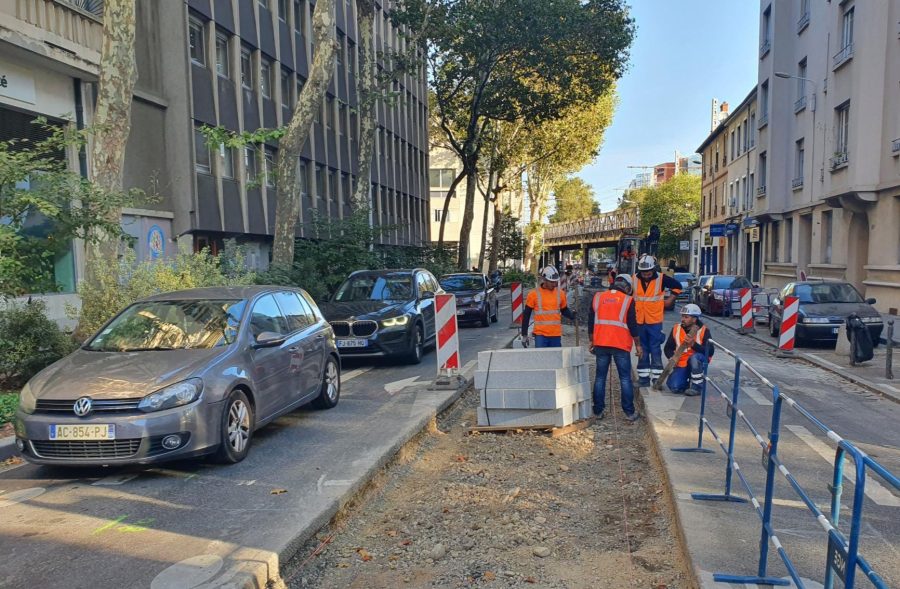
{"x":843,"y":557}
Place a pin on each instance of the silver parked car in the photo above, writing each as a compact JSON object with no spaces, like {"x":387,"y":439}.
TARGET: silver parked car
{"x":181,"y":374}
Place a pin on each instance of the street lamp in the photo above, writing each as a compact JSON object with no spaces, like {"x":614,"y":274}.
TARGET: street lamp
{"x":787,"y":76}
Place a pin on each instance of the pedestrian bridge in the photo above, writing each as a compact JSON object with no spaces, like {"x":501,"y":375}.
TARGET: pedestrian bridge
{"x":607,"y":228}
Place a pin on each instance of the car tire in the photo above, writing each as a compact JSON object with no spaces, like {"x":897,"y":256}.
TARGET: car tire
{"x":330,"y":391}
{"x":496,"y":316}
{"x":486,"y":318}
{"x":417,"y":345}
{"x":237,"y":428}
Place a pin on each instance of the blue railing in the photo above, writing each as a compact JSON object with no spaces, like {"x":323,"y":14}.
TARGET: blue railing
{"x":843,"y":557}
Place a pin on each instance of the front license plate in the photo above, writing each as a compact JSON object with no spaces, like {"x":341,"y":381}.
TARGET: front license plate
{"x":83,"y":432}
{"x":834,"y":330}
{"x":460,"y":312}
{"x":352,"y":343}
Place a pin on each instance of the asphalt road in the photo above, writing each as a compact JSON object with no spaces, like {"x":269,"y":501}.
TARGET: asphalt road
{"x":724,"y":537}
{"x":185,"y":524}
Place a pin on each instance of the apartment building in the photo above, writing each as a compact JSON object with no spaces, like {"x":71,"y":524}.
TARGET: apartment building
{"x":239,"y":64}
{"x":828,"y":196}
{"x":714,"y":180}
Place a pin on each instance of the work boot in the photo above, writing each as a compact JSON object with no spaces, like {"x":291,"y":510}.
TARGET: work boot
{"x":692,"y":392}
{"x":679,"y":391}
{"x":632,"y":417}
{"x":644,"y":381}
{"x":599,"y":416}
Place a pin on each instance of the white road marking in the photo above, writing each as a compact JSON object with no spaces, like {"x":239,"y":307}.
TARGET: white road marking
{"x":395,"y":387}
{"x":351,"y":374}
{"x":246,"y":483}
{"x":114,"y":480}
{"x":337,"y":483}
{"x":753,"y":393}
{"x":319,"y":484}
{"x":188,"y":573}
{"x":7,"y":499}
{"x":874,"y":489}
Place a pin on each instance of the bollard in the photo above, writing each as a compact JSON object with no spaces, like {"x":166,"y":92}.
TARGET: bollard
{"x":889,"y":352}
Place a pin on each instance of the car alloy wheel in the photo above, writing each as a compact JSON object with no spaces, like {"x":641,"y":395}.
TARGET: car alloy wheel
{"x":418,"y":345}
{"x":330,"y":391}
{"x":238,"y":425}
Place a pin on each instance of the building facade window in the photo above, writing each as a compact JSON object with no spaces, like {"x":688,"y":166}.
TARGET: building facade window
{"x":329,"y":113}
{"x":226,"y":161}
{"x":202,"y":159}
{"x":269,"y":163}
{"x":197,"y":42}
{"x":752,"y":128}
{"x":762,"y":172}
{"x":441,"y":178}
{"x":842,"y":129}
{"x":300,"y":18}
{"x":246,"y":69}
{"x":801,"y":82}
{"x":249,"y":164}
{"x":265,"y":77}
{"x":282,"y":10}
{"x":285,"y":89}
{"x":764,"y":102}
{"x":222,"y":57}
{"x":799,"y":157}
{"x":847,"y":28}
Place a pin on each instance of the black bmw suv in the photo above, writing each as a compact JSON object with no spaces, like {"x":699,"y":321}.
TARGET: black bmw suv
{"x":384,"y":313}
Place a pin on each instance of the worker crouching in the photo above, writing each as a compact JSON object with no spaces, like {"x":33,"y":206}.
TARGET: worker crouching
{"x":691,"y":365}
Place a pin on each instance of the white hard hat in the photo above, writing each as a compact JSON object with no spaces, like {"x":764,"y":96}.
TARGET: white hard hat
{"x":550,"y":274}
{"x":692,"y":310}
{"x":647,"y":262}
{"x":626,"y":278}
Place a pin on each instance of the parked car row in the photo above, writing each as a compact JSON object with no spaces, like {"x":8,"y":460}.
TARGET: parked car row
{"x":197,"y":372}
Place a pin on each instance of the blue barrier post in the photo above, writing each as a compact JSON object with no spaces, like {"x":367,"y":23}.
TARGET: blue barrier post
{"x":859,"y":489}
{"x":762,"y":578}
{"x":701,"y":422}
{"x":729,"y":459}
{"x":836,"y":489}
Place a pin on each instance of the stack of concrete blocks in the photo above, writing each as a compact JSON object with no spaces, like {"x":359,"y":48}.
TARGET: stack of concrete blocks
{"x":533,"y":387}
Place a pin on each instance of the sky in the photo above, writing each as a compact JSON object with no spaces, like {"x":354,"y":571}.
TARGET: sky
{"x":686,"y":52}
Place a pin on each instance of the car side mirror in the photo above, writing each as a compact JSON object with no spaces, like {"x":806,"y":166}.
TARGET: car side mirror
{"x":426,"y":295}
{"x":871,"y":301}
{"x":268,"y":339}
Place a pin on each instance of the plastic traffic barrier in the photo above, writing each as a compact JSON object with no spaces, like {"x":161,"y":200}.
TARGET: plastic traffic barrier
{"x":788,"y":326}
{"x":516,"y":291}
{"x":447,"y":334}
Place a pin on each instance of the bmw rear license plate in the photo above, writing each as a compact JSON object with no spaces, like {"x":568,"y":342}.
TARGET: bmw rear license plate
{"x":352,"y":343}
{"x":94,"y":431}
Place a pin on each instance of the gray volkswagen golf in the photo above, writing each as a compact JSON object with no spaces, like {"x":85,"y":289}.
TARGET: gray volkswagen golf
{"x":181,"y":374}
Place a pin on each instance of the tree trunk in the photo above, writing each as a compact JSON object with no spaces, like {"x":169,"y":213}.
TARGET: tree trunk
{"x":484,"y":221}
{"x":287,"y":203}
{"x":470,"y":168}
{"x":495,"y":235}
{"x":536,"y":204}
{"x":366,"y":91}
{"x":112,"y":115}
{"x":450,"y":192}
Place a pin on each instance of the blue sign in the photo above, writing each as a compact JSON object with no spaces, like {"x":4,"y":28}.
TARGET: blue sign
{"x":156,"y":242}
{"x":731,"y":229}
{"x":837,"y":557}
{"x":750,"y":222}
{"x":717,"y":230}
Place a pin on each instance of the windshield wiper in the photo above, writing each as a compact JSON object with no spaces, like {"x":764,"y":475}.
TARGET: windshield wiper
{"x":153,"y":349}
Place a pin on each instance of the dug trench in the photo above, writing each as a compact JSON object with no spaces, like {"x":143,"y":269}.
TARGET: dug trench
{"x":589,"y":509}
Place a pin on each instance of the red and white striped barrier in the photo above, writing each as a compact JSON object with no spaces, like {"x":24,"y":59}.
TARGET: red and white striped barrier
{"x":447,"y":334}
{"x":788,"y":325}
{"x":516,"y":291}
{"x":747,"y":312}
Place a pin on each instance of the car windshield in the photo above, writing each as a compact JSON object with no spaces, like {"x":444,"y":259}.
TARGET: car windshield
{"x":397,"y":287}
{"x":682,"y":277}
{"x":827,"y":293}
{"x":462,"y":283}
{"x":171,"y":325}
{"x":723,"y":282}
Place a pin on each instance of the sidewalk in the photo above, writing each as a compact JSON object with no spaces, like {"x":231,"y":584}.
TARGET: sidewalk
{"x":869,"y":375}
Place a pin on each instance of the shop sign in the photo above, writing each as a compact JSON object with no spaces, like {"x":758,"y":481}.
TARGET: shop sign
{"x":17,"y":83}
{"x":717,"y":230}
{"x":684,"y":246}
{"x":754,"y":234}
{"x":731,"y":228}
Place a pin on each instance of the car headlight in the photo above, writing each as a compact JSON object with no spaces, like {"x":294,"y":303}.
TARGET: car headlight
{"x":27,"y":400}
{"x":814,"y":320}
{"x":175,"y":395}
{"x":395,"y":321}
{"x":479,"y":297}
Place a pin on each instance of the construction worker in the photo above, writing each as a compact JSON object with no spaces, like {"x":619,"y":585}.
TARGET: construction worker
{"x":692,"y":362}
{"x":549,"y":305}
{"x":650,"y":302}
{"x":614,"y":332}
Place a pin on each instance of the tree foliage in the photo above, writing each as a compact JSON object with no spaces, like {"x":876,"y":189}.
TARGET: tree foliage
{"x":508,"y":237}
{"x":44,"y":205}
{"x":574,"y":200}
{"x":673,"y":206}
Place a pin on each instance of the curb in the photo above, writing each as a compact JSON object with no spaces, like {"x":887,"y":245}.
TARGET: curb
{"x":8,"y":448}
{"x":886,"y":391}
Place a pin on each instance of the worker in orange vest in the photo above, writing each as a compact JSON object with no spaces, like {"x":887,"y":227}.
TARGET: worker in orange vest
{"x":549,"y":305}
{"x":650,"y":302}
{"x":614,"y":333}
{"x":692,"y":363}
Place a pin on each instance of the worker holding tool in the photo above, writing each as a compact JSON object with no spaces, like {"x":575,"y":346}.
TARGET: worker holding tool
{"x":650,"y":303}
{"x":549,"y":305}
{"x":614,"y":334}
{"x":697,"y":352}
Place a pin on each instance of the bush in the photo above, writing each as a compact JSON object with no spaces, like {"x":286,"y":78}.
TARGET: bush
{"x":527,"y":279}
{"x":8,"y":404}
{"x":29,"y":342}
{"x":115,"y":285}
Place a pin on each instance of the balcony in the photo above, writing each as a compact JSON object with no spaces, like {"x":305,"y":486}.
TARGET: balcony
{"x":75,"y":26}
{"x":761,"y":191}
{"x":803,"y":22}
{"x":765,"y":48}
{"x":895,"y":147}
{"x":843,"y":56}
{"x":763,"y":120}
{"x":797,"y":183}
{"x":799,"y":104}
{"x":840,"y":160}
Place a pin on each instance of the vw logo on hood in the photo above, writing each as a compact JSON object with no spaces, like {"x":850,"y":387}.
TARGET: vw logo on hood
{"x":82,"y":406}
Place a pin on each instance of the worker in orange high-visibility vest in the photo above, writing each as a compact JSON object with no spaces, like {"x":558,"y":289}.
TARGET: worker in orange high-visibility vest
{"x":650,"y":303}
{"x":548,"y":304}
{"x":692,"y":363}
{"x":614,"y":332}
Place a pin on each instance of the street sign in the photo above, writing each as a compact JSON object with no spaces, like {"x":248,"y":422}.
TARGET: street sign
{"x":717,"y":230}
{"x":684,"y":246}
{"x":731,"y":228}
{"x":754,"y":234}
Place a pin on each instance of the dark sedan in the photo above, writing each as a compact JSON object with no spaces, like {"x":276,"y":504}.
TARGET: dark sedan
{"x":824,"y":306}
{"x":384,"y":313}
{"x":687,"y":281}
{"x":719,"y":293}
{"x":476,"y":298}
{"x":697,"y":287}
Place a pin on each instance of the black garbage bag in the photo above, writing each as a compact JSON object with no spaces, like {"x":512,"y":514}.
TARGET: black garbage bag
{"x":861,"y":347}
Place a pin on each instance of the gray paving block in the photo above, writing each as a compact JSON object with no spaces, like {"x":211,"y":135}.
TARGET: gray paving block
{"x":530,"y":359}
{"x":556,"y":398}
{"x":527,"y":379}
{"x":525,"y":417}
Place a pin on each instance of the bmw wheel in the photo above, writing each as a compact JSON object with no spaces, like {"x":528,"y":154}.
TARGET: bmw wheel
{"x":330,"y":391}
{"x":237,"y":428}
{"x":417,"y":345}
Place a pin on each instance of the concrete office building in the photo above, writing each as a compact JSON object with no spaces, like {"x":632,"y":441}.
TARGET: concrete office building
{"x":238,"y":64}
{"x":828,"y":152}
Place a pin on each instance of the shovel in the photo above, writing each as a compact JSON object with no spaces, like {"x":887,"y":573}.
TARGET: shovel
{"x":670,"y":366}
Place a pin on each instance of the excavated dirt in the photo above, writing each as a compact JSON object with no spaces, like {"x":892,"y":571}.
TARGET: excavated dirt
{"x":585,"y":510}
